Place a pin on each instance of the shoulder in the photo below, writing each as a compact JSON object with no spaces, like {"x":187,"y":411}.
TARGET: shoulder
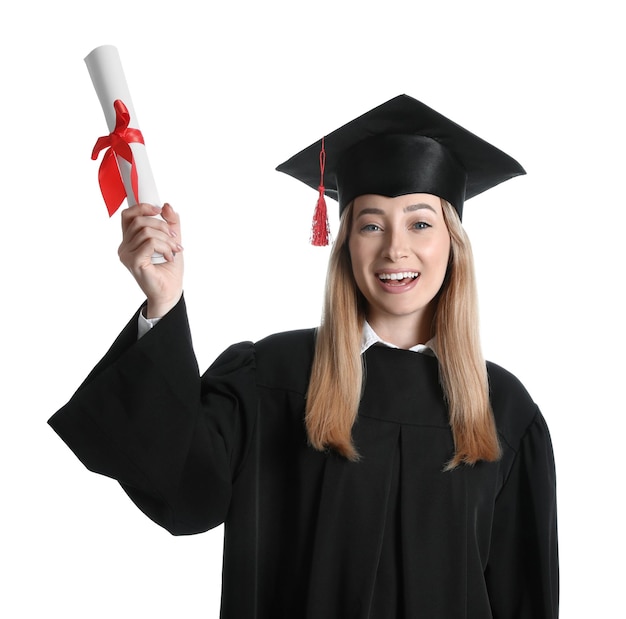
{"x":284,"y":360}
{"x":504,"y":385}
{"x":281,"y":361}
{"x":281,"y":343}
{"x":513,"y":407}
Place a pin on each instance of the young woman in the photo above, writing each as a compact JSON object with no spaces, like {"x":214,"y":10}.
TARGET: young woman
{"x":374,"y":467}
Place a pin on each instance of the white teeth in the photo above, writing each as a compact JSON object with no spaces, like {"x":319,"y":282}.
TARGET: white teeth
{"x":396,"y":276}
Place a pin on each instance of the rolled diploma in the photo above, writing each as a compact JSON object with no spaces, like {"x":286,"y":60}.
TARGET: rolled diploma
{"x":106,"y":72}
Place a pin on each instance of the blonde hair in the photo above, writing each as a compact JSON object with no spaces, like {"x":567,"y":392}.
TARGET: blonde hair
{"x":337,"y":372}
{"x":336,"y":380}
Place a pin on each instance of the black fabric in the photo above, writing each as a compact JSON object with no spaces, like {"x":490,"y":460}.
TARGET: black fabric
{"x":402,"y":146}
{"x":308,"y":534}
{"x":395,"y":165}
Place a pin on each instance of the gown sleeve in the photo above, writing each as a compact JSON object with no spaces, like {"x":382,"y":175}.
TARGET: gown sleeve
{"x":174,"y":440}
{"x":522,"y":571}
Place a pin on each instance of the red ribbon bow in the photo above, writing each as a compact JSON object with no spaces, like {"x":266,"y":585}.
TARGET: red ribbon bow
{"x":118,"y":142}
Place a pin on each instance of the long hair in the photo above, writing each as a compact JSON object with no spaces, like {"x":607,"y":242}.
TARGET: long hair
{"x":462,"y":368}
{"x":337,"y":372}
{"x":336,"y":382}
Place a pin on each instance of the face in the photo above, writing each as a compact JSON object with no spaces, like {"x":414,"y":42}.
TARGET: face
{"x":399,"y":249}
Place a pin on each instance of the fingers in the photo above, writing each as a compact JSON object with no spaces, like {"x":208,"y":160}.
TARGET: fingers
{"x":144,"y":234}
{"x":171,"y":217}
{"x":138,"y":211}
{"x":142,"y":208}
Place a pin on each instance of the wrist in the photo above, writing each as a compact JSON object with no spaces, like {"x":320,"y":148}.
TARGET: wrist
{"x":158,"y":309}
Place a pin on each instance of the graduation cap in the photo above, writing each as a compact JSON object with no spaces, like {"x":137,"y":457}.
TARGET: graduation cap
{"x":399,"y":147}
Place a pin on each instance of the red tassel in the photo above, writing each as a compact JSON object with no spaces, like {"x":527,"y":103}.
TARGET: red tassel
{"x":320,"y":233}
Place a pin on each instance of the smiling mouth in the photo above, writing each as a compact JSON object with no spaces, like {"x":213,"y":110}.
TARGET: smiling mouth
{"x":398,"y":279}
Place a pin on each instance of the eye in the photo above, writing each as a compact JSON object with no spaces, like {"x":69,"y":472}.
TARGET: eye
{"x":420,"y":225}
{"x":371,"y":228}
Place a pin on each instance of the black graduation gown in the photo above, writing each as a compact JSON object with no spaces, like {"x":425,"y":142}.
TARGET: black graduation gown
{"x":307,"y":534}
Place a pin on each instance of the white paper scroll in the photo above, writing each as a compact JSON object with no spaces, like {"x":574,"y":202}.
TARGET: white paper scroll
{"x":105,"y":69}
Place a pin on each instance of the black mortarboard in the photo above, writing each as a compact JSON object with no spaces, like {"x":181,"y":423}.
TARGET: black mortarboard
{"x":401,"y":147}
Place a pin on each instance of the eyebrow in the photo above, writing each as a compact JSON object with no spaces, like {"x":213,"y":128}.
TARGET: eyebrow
{"x":370,"y":210}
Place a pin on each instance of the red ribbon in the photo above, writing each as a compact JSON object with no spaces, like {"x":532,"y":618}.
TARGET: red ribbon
{"x":118,"y":143}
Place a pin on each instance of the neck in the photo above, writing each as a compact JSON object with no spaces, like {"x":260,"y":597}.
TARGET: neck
{"x":403,"y":331}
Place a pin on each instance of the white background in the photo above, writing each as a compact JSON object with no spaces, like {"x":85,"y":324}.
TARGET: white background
{"x":223,"y":95}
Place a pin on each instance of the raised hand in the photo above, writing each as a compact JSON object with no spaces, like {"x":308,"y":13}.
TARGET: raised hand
{"x":144,"y":234}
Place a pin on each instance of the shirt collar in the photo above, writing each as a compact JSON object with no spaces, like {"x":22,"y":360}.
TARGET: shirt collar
{"x":369,"y":338}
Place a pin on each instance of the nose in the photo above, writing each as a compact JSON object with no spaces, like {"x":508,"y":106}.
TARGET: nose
{"x":396,"y":245}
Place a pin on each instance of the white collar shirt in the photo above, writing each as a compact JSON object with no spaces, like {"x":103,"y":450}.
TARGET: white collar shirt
{"x":371,"y":338}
